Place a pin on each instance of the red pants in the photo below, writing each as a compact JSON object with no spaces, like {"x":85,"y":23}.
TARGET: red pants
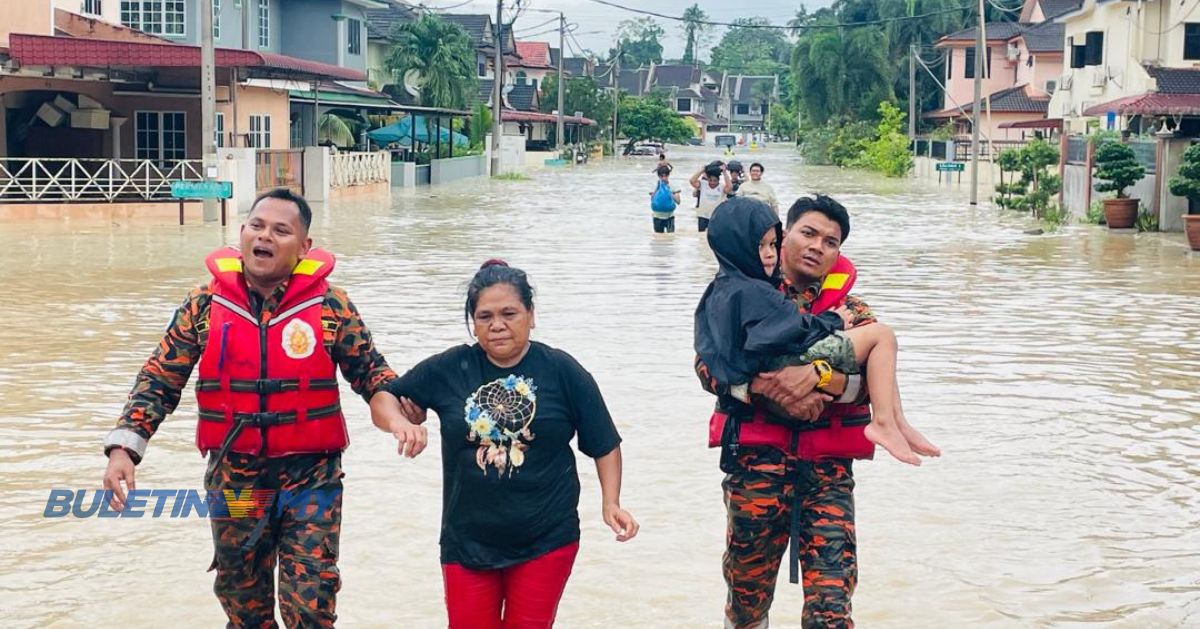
{"x":524,"y":596}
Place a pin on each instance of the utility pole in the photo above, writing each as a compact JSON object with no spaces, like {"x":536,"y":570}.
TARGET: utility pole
{"x":912,"y":96}
{"x":208,"y":102}
{"x":980,"y":63}
{"x":497,"y":85}
{"x":562,"y":28}
{"x":614,"y":71}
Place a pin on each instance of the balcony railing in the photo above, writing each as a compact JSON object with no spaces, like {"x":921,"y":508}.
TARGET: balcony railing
{"x":58,"y":180}
{"x":356,"y":169}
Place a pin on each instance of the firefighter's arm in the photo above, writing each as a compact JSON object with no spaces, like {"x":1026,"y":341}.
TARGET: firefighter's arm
{"x":354,"y":350}
{"x":160,"y":383}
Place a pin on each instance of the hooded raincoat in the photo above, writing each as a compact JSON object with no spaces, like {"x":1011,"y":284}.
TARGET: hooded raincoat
{"x":743,"y":320}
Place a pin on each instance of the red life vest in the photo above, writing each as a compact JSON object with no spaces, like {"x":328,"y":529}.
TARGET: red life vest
{"x":838,"y":432}
{"x":274,"y":375}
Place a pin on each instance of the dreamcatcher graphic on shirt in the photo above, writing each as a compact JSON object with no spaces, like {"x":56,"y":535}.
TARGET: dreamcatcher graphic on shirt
{"x":498,"y":416}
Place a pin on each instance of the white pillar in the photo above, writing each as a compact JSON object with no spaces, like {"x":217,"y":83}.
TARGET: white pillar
{"x":114,"y":124}
{"x":3,"y":128}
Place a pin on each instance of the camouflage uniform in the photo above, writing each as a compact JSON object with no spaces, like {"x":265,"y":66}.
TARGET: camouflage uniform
{"x":302,"y":538}
{"x":774,"y":497}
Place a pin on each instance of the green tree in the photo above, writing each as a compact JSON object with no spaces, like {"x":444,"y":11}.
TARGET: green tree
{"x":1117,"y":166}
{"x":332,"y":129}
{"x":639,"y":42}
{"x":746,"y":49}
{"x":841,"y":71}
{"x":782,"y":122}
{"x":888,"y":151}
{"x":696,"y":32}
{"x":442,"y":53}
{"x":580,"y":93}
{"x":481,"y":124}
{"x":1187,"y":182}
{"x":649,"y":118}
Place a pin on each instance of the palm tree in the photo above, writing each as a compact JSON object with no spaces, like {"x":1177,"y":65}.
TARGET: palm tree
{"x":332,"y":128}
{"x":695,"y":29}
{"x":842,"y":71}
{"x":442,"y":54}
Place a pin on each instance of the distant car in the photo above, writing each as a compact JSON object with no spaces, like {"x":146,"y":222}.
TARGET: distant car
{"x":695,"y":142}
{"x":725,"y":140}
{"x":647,"y":148}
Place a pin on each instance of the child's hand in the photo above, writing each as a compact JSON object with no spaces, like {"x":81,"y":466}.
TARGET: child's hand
{"x":847,"y":316}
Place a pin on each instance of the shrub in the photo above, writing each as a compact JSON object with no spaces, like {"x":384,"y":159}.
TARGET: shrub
{"x":1117,"y":166}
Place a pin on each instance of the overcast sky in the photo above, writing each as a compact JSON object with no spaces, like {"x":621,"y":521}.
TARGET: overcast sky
{"x":598,"y":23}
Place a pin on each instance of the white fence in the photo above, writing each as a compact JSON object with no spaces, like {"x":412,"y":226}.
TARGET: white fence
{"x":356,"y":169}
{"x":51,"y":180}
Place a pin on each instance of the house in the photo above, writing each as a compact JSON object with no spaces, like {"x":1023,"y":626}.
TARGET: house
{"x":328,"y":32}
{"x":533,"y":64}
{"x":482,"y":32}
{"x":692,"y":93}
{"x":1020,"y":71}
{"x":380,"y":25}
{"x":579,"y":66}
{"x":150,"y":91}
{"x":520,"y":114}
{"x":101,"y":112}
{"x":1133,"y":66}
{"x":746,"y":101}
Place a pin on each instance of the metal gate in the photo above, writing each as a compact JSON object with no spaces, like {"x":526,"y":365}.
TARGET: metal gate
{"x":279,"y":168}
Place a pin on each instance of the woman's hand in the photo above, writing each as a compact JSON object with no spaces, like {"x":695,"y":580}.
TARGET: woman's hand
{"x":621,"y":522}
{"x":412,"y":411}
{"x":411,"y":437}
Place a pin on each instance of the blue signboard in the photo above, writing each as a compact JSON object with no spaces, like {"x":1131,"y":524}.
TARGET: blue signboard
{"x":202,"y":189}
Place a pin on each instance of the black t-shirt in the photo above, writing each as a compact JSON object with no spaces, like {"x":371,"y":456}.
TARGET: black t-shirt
{"x":510,"y":489}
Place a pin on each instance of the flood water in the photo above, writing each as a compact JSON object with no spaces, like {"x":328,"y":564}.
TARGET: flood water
{"x":1059,"y":373}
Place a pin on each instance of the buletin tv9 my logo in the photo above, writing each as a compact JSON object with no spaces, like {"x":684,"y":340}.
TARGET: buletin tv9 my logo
{"x":190,"y":503}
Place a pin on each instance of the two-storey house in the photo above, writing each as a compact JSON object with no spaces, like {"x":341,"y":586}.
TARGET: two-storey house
{"x":746,"y":100}
{"x":1133,"y":65}
{"x":691,"y":92}
{"x":105,"y":88}
{"x":1019,"y":72}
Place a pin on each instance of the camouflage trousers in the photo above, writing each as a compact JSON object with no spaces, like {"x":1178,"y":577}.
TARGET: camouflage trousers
{"x":772,"y":497}
{"x":292,"y":518}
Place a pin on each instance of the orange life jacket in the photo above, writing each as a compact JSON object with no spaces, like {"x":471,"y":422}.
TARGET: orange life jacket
{"x":838,"y":432}
{"x":271,"y":374}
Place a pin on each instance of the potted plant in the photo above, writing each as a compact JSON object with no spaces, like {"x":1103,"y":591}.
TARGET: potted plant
{"x":1187,"y":184}
{"x":1118,"y":169}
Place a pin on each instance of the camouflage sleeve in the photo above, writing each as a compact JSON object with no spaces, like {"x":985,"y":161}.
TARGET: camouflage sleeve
{"x":862,"y":312}
{"x":353,"y":350}
{"x":707,"y":382}
{"x":159,"y":384}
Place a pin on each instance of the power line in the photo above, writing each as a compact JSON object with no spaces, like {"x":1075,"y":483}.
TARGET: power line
{"x":1006,"y":10}
{"x":530,"y":28}
{"x":424,"y":7}
{"x":785,"y":28}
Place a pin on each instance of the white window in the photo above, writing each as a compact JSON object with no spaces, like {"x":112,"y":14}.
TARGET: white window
{"x":264,"y":23}
{"x":260,"y":132}
{"x":160,"y":136}
{"x":91,"y":7}
{"x":159,"y":17}
{"x":219,"y":130}
{"x":354,"y":36}
{"x":216,"y":19}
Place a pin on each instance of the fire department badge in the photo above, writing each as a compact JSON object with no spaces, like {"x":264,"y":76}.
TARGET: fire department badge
{"x":299,"y":341}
